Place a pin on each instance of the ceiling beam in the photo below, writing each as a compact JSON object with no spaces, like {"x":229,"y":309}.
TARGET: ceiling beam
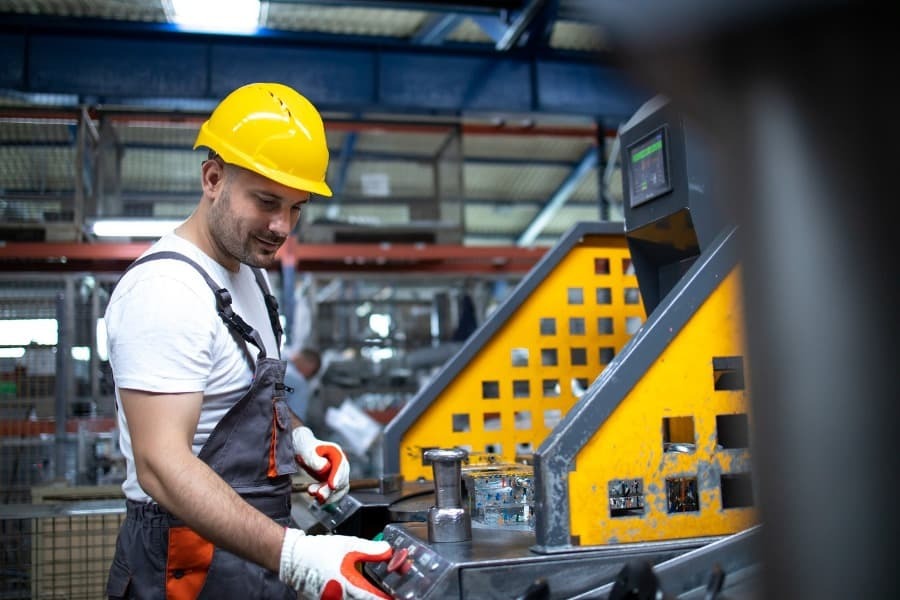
{"x":135,"y":67}
{"x":520,"y":24}
{"x":436,"y":29}
{"x":559,"y":198}
{"x":387,"y":257}
{"x":454,"y":6}
{"x":344,"y":158}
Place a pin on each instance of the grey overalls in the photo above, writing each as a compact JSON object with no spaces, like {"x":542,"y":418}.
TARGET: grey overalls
{"x":157,"y":556}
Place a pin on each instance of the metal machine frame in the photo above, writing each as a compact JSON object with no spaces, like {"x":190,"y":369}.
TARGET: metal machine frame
{"x":653,"y":459}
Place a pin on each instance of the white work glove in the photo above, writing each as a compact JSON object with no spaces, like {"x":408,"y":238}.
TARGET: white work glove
{"x":324,"y":567}
{"x":326,"y":462}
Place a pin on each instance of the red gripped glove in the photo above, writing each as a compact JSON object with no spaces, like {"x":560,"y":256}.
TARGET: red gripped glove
{"x":326,"y":462}
{"x":324,"y":567}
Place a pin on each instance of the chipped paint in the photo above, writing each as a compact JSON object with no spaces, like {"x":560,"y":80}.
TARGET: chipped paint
{"x":628,"y":444}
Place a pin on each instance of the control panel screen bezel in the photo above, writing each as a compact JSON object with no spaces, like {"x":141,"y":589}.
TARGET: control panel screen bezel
{"x":640,"y":189}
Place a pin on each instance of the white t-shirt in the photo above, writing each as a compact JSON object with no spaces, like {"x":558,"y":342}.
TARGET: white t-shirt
{"x":164,"y":335}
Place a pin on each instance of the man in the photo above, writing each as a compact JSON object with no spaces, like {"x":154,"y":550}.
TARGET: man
{"x":193,"y":332}
{"x":302,"y":367}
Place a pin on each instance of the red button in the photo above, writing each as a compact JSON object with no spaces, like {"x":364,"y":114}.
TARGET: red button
{"x":397,"y":559}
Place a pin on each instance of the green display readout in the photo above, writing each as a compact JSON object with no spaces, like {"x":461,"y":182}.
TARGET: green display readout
{"x":647,"y":169}
{"x":645,"y":152}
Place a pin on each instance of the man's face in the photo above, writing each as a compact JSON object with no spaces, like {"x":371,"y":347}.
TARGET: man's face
{"x":252,"y":216}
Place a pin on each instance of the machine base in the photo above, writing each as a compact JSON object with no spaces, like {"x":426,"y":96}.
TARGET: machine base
{"x":500,"y":563}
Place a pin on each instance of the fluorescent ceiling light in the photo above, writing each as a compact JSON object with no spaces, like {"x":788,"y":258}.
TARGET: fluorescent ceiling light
{"x":22,"y":332}
{"x":81,"y":353}
{"x":223,"y":16}
{"x":133,"y":228}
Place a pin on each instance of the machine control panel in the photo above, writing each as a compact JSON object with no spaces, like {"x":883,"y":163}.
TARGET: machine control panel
{"x":413,"y":571}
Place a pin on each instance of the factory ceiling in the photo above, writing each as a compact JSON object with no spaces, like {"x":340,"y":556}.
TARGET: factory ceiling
{"x":472,"y":123}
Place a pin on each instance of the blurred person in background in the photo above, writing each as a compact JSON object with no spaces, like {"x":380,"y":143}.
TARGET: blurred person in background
{"x":301,"y":368}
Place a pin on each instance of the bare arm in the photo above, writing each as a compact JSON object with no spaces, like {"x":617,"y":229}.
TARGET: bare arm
{"x":295,"y":421}
{"x":162,"y":427}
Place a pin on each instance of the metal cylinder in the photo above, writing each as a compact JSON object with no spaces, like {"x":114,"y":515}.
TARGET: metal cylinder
{"x":448,"y":519}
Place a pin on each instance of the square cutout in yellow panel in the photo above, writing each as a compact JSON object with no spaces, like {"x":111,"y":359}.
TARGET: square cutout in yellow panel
{"x":547,"y":326}
{"x":490,"y":390}
{"x":521,"y":388}
{"x":576,"y":326}
{"x":491,"y":421}
{"x":522,"y":419}
{"x":678,"y":434}
{"x":461,"y":423}
{"x":682,"y":495}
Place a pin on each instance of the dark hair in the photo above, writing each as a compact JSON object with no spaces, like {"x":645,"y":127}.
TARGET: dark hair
{"x":313,"y":356}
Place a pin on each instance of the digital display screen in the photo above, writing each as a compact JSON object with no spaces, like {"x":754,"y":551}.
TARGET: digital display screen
{"x":647,"y":168}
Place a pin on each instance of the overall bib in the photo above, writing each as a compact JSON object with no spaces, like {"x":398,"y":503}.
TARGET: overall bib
{"x":157,"y":556}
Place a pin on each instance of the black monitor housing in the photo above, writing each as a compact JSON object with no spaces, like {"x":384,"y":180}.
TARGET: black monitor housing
{"x":670,"y":212}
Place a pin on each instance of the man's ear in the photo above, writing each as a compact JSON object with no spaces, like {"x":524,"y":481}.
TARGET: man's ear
{"x":212,"y":174}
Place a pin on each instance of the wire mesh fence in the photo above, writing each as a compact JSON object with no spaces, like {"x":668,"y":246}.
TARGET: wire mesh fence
{"x":57,"y":551}
{"x":58,"y":443}
{"x":56,"y":392}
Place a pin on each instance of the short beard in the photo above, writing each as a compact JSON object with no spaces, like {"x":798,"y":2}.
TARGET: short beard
{"x":226,"y":233}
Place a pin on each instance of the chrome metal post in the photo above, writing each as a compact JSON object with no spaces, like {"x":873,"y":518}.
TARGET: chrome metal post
{"x":448,"y":519}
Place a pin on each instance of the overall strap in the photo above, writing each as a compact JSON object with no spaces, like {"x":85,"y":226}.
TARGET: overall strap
{"x":223,"y":300}
{"x":271,"y":306}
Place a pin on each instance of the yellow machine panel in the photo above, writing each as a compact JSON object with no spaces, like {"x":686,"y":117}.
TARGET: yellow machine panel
{"x":672,"y":460}
{"x":515,"y":388}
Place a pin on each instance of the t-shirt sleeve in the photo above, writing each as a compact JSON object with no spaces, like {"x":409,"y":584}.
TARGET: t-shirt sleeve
{"x":160,"y":332}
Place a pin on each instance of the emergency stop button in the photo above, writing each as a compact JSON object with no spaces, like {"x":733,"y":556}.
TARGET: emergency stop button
{"x":400,"y":562}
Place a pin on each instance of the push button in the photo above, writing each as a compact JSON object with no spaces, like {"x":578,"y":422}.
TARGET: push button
{"x":399,"y":562}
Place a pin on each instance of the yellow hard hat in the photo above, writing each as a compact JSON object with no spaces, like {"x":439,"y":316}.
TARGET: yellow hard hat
{"x":272,"y":130}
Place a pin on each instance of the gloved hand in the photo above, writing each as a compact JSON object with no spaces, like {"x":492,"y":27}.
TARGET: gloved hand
{"x":326,"y":462}
{"x":323,"y":567}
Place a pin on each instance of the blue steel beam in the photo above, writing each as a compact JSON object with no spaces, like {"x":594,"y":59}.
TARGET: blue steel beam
{"x":532,"y":26}
{"x":343,"y":166}
{"x":537,"y":203}
{"x":453,"y":6}
{"x":520,"y":24}
{"x":559,"y":198}
{"x":493,"y":26}
{"x":539,"y":31}
{"x":127,"y":68}
{"x":435,"y":29}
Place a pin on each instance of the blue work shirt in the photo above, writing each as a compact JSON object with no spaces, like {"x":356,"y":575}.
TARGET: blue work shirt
{"x":298,"y":400}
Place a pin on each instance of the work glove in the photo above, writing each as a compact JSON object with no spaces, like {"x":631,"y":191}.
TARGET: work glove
{"x":324,"y":567}
{"x":324,"y":461}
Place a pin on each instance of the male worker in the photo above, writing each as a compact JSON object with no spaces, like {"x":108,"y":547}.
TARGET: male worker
{"x":301,"y":367}
{"x":193,"y":338}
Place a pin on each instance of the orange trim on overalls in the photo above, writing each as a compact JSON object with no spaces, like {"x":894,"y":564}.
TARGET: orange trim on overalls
{"x":187,"y":563}
{"x":273,"y":443}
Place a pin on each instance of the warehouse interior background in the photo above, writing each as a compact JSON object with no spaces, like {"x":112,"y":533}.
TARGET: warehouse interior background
{"x":465,"y":139}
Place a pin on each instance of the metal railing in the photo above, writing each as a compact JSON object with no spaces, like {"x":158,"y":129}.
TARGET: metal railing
{"x":59,"y":551}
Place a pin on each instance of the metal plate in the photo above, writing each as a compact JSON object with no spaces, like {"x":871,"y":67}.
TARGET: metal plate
{"x":412,"y":507}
